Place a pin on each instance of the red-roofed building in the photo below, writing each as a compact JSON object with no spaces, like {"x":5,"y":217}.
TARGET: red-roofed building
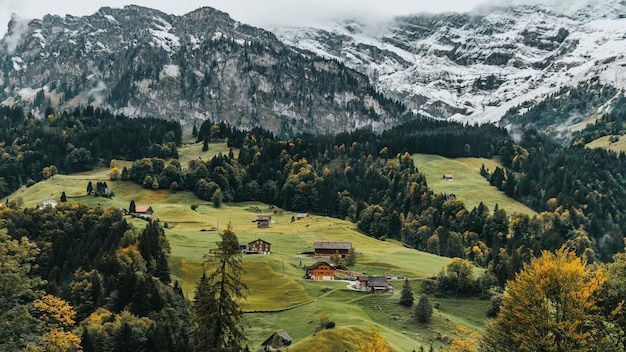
{"x":144,"y":210}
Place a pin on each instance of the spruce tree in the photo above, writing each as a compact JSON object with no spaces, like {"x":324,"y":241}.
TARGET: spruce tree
{"x":423,"y":310}
{"x":217,"y":315}
{"x":63,"y":197}
{"x":89,"y":188}
{"x":132,"y":208}
{"x":406,"y":298}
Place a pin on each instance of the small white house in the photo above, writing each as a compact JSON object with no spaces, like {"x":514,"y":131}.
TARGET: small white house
{"x":48,"y":203}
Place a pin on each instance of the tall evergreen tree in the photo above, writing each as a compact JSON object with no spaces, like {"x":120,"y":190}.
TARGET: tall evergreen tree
{"x":63,"y":197}
{"x":423,"y":310}
{"x":217,"y":315}
{"x":89,"y":187}
{"x":132,"y":207}
{"x":406,"y":298}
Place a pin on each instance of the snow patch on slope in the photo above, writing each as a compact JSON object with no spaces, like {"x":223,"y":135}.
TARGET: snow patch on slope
{"x":474,"y":67}
{"x":161,"y":36}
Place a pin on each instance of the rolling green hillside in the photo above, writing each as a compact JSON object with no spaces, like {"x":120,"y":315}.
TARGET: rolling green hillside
{"x":468,"y":185}
{"x":278,"y":295}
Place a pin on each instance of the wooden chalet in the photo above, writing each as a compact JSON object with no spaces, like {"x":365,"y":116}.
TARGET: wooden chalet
{"x":263,"y":221}
{"x":329,"y":249}
{"x":320,"y":271}
{"x":301,"y":216}
{"x":448,"y":177}
{"x":279,"y":340}
{"x":259,"y":246}
{"x":144,"y":210}
{"x":375,"y":284}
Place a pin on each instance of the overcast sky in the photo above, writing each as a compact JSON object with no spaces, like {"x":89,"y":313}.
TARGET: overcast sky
{"x":261,"y":13}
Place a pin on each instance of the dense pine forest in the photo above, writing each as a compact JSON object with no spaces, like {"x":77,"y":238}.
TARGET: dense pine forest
{"x":117,"y":278}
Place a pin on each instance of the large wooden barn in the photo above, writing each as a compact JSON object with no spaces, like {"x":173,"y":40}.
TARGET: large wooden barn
{"x":328,"y":249}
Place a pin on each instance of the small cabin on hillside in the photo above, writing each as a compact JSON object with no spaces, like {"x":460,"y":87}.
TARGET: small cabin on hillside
{"x":279,"y":340}
{"x":259,"y":246}
{"x":49,"y":203}
{"x":448,"y":177}
{"x":263,"y":221}
{"x":320,"y":271}
{"x":328,"y":249}
{"x":375,"y":284}
{"x":144,"y":211}
{"x":301,"y":216}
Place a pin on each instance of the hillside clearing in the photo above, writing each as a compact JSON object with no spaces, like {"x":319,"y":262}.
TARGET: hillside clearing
{"x":468,"y":185}
{"x":605,"y":142}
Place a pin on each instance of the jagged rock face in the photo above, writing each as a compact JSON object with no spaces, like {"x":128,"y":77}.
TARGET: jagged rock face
{"x":142,"y":62}
{"x":475,"y":66}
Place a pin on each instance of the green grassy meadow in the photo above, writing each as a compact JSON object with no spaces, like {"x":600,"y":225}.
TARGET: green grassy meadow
{"x":604,"y":142}
{"x":468,"y":185}
{"x":278,"y":297}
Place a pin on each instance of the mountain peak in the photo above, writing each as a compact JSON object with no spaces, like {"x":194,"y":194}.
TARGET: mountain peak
{"x":202,"y":65}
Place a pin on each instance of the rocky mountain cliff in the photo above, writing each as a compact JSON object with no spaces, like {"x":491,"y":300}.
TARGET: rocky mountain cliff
{"x":203,"y":65}
{"x":476,"y":66}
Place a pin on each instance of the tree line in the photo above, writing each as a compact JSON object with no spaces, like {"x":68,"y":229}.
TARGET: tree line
{"x":33,"y":149}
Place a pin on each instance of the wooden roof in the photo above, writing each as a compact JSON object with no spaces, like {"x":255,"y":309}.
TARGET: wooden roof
{"x":373,"y":280}
{"x":282,"y":335}
{"x":259,"y":240}
{"x":317,"y":265}
{"x":332,"y":245}
{"x":143,"y":208}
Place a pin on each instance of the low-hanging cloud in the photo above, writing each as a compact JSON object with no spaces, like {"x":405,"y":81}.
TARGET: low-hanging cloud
{"x":561,"y":6}
{"x":13,"y":38}
{"x":272,"y":13}
{"x":262,"y":13}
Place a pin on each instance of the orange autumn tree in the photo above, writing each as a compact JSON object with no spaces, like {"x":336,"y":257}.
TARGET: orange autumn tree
{"x":58,"y":317}
{"x":549,"y":306}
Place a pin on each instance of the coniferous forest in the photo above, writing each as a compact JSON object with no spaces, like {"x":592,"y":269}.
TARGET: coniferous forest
{"x":117,"y":279}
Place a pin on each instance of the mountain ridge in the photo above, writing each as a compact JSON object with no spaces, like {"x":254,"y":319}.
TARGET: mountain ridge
{"x":473,"y":67}
{"x":202,"y":65}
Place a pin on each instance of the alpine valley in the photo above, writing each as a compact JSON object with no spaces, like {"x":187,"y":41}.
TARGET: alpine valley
{"x":442,"y":182}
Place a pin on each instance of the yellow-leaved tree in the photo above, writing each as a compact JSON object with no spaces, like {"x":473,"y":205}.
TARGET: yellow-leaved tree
{"x":58,"y":317}
{"x":551,"y":305}
{"x":376,"y":343}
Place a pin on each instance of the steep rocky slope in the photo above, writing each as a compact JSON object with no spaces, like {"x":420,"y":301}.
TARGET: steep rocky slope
{"x":142,"y":62}
{"x":475,"y":66}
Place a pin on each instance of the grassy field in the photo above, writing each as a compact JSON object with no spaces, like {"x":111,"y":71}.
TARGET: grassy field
{"x":279,"y":298}
{"x":604,"y":142}
{"x":468,"y":185}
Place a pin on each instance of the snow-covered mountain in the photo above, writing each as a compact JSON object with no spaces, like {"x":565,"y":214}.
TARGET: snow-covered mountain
{"x":475,"y":66}
{"x":203,"y":65}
